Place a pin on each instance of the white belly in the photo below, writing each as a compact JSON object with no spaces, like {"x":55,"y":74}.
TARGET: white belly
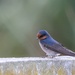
{"x":48,"y":51}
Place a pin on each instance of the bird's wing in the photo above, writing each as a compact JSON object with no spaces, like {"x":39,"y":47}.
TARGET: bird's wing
{"x":60,"y":49}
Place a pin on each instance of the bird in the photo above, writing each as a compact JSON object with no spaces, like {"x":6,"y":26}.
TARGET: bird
{"x":50,"y":46}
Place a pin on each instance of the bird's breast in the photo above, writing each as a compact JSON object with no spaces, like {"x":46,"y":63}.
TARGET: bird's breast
{"x":47,"y":51}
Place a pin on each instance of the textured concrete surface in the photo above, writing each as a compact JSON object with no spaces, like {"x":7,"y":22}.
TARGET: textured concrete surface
{"x":62,"y":65}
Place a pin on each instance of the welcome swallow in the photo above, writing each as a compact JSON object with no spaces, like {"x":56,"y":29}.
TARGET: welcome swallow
{"x":50,"y":46}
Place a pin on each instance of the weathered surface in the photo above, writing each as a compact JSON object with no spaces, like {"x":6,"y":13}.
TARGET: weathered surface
{"x":63,"y":65}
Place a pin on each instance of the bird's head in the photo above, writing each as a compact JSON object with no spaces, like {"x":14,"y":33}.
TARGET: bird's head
{"x":42,"y":34}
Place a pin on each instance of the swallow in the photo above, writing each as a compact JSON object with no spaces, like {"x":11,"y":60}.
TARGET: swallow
{"x":50,"y":46}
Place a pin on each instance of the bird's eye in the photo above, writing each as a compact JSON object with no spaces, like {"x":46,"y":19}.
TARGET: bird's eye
{"x":42,"y":36}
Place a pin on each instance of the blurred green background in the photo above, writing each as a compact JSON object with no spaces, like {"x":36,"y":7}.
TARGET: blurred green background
{"x":20,"y":20}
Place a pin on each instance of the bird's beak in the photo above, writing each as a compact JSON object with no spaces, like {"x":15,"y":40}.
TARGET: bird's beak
{"x":37,"y":36}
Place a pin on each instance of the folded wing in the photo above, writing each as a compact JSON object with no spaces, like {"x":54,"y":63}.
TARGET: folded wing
{"x":60,"y":49}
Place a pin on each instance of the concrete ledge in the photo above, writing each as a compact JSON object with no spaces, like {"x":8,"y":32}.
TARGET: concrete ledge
{"x":62,"y":65}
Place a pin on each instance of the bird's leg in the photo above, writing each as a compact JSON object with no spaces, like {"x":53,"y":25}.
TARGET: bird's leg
{"x":49,"y":56}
